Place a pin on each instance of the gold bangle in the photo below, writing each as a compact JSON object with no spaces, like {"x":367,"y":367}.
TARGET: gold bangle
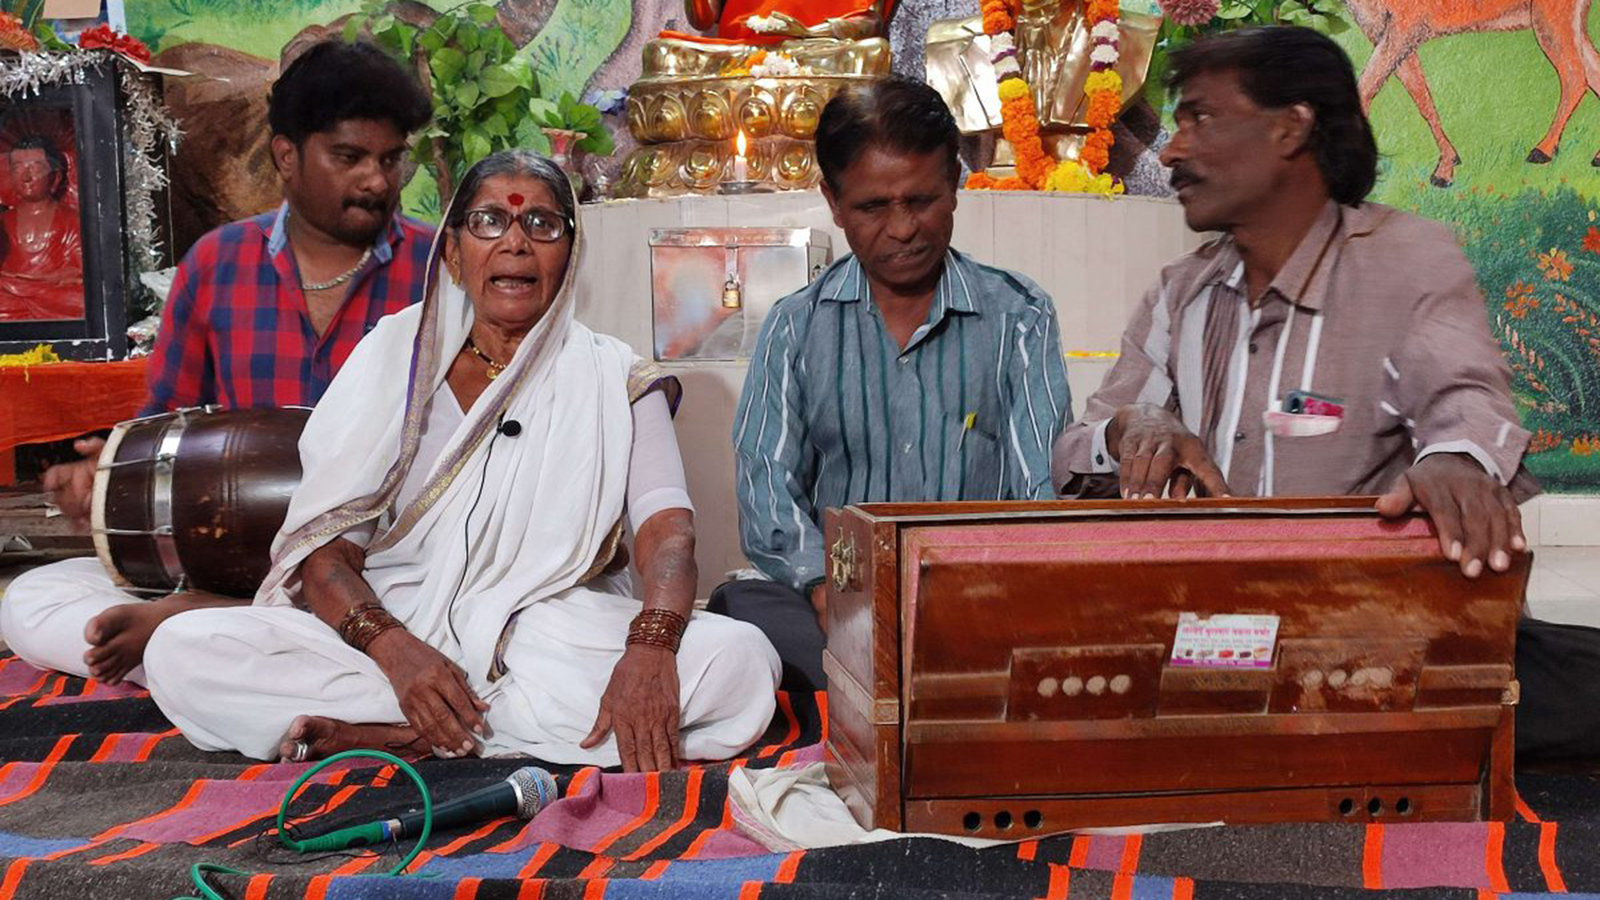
{"x":657,"y":628}
{"x":364,"y":623}
{"x":351,"y":617}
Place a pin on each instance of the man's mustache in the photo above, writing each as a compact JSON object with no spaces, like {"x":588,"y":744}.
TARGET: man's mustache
{"x":1182,"y":178}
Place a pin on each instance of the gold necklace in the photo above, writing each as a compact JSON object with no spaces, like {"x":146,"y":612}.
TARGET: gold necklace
{"x":494,"y":368}
{"x":340,"y":279}
{"x":337,"y":280}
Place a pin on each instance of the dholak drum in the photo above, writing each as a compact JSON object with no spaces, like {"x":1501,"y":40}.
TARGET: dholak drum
{"x":192,"y":499}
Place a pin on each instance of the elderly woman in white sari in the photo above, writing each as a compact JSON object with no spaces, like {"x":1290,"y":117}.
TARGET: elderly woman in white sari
{"x":450,"y":577}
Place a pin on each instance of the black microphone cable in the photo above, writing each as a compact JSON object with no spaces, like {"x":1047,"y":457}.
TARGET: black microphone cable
{"x":510,"y":429}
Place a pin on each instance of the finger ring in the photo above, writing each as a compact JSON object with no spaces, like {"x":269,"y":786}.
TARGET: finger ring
{"x":302,"y":750}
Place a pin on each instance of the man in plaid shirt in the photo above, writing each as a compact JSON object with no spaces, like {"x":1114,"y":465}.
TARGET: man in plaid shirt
{"x":262,"y":313}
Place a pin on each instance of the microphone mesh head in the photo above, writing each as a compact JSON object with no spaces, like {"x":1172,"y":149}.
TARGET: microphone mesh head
{"x":536,"y":789}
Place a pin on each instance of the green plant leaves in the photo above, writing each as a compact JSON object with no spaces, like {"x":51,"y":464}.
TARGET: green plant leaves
{"x":544,"y":112}
{"x":485,"y":98}
{"x":495,"y":126}
{"x":475,"y":145}
{"x":499,"y":81}
{"x":598,"y":142}
{"x":392,"y":35}
{"x":529,"y":136}
{"x":447,"y":64}
{"x":432,"y":41}
{"x":1326,"y":16}
{"x":48,"y":38}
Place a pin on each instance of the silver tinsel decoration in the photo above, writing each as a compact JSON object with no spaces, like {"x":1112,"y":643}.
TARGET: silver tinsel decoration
{"x":145,"y":127}
{"x":29,"y":73}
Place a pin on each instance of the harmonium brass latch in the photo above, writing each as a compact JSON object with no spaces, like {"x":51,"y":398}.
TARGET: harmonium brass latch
{"x":1512,"y":695}
{"x":842,"y":560}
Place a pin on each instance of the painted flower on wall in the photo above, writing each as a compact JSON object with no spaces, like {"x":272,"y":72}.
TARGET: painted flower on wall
{"x":1555,"y":265}
{"x":1591,"y":241}
{"x":1520,"y":299}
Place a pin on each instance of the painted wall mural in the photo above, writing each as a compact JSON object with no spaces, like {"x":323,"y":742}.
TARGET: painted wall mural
{"x":235,"y":47}
{"x":1485,"y":120}
{"x":1482,"y":110}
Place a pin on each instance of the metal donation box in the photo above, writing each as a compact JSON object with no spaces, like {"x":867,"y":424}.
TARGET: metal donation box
{"x":712,"y":287}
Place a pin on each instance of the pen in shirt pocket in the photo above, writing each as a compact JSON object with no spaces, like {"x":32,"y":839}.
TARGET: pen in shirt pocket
{"x":966,"y":426}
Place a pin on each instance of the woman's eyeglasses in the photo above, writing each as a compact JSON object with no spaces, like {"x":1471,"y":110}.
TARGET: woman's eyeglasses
{"x":490,"y":223}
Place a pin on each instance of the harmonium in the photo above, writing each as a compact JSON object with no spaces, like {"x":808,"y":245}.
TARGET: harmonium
{"x":1015,"y":669}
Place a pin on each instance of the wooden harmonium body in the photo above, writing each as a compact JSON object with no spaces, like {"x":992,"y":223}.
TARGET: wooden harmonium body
{"x":1006,"y":669}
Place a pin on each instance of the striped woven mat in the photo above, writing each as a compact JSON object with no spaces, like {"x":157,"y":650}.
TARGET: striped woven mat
{"x":101,"y":798}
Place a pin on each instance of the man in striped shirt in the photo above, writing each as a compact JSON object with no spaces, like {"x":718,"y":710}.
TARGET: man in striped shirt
{"x":907,"y":371}
{"x":1323,"y":345}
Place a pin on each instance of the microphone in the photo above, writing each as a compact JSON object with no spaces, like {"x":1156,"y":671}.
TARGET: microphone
{"x":528,"y":790}
{"x":509,"y":427}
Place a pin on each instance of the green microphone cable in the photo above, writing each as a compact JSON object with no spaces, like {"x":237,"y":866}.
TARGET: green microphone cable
{"x":378,"y":829}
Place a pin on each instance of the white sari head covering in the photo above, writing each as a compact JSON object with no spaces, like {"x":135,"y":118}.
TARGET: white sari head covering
{"x":500,"y":523}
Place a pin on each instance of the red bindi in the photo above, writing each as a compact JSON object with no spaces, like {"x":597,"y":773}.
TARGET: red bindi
{"x":516,"y":199}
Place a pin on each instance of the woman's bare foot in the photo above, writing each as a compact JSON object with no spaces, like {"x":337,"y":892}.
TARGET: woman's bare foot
{"x":322,"y":737}
{"x":117,"y":637}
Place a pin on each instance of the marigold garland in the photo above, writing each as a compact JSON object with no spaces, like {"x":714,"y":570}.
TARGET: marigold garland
{"x":1019,"y":118}
{"x":997,"y":17}
{"x":38,"y":356}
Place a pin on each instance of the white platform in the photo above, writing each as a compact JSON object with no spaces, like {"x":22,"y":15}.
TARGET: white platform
{"x":1095,"y":257}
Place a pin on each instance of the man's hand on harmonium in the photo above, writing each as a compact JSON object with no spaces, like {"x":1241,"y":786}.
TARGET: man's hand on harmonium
{"x":1158,"y":455}
{"x":1476,"y":517}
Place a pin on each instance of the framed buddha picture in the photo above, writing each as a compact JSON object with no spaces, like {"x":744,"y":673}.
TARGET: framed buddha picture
{"x":62,"y":257}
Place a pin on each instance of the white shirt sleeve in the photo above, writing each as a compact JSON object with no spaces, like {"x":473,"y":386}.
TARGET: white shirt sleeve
{"x":655,"y":467}
{"x":1470,"y":448}
{"x":1101,"y":460}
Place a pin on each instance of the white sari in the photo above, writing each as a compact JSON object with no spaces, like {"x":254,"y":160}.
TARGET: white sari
{"x":506,"y":531}
{"x":557,"y":489}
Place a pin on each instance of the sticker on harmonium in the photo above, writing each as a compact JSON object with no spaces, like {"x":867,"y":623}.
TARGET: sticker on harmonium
{"x":1228,"y":641}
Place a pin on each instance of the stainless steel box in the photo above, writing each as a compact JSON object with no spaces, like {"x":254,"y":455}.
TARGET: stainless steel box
{"x":711,"y":288}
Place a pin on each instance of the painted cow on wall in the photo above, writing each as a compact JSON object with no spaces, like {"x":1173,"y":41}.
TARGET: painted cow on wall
{"x":1397,"y":27}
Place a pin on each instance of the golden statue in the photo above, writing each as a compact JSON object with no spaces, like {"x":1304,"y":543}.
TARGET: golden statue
{"x":768,"y":71}
{"x":1053,"y":45}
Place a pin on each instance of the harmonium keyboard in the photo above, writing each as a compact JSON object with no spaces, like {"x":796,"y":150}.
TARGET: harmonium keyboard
{"x":1007,"y":669}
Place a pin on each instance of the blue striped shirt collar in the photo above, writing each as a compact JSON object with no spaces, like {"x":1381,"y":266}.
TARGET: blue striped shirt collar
{"x":382,"y":248}
{"x":847,"y":283}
